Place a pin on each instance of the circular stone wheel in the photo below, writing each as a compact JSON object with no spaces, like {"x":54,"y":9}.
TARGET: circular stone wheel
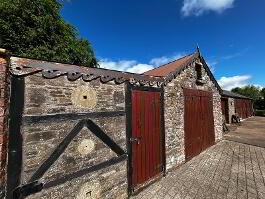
{"x":86,"y":146}
{"x":84,"y":97}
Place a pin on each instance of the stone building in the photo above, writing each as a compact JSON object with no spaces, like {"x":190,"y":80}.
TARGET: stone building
{"x":233,"y":103}
{"x":190,"y":89}
{"x":77,"y":132}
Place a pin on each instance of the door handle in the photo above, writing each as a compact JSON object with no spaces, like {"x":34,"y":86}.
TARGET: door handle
{"x":135,"y":139}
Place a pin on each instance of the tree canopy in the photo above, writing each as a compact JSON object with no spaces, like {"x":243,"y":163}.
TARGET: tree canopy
{"x":35,"y":29}
{"x":248,"y":91}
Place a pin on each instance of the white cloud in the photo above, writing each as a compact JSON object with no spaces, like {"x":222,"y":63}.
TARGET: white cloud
{"x":140,"y":68}
{"x":159,"y":61}
{"x":119,"y":65}
{"x":165,"y":59}
{"x":198,"y":7}
{"x":126,"y":66}
{"x":133,"y":66}
{"x":227,"y":83}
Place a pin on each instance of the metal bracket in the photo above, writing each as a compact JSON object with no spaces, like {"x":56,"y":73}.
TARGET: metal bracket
{"x":27,"y":189}
{"x":135,"y":139}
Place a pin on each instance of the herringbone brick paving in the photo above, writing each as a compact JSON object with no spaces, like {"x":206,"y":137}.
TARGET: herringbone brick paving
{"x":226,"y":170}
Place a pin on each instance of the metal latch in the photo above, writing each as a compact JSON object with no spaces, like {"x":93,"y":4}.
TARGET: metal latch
{"x":135,"y":139}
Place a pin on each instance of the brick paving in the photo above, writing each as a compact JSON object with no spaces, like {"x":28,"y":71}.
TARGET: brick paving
{"x":226,"y":170}
{"x":251,"y":131}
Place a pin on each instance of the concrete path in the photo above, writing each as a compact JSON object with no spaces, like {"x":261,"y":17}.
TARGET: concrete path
{"x":226,"y":170}
{"x":251,"y":131}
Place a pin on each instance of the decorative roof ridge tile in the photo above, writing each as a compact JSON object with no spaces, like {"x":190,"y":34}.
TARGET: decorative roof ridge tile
{"x":27,"y":66}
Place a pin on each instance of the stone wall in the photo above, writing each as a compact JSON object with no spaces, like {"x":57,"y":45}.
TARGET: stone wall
{"x":52,"y":108}
{"x":174,"y":113}
{"x":58,"y":96}
{"x":4,"y":96}
{"x":231,"y":108}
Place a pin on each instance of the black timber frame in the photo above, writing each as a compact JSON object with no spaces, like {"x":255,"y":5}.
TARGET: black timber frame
{"x":128,"y":109}
{"x":33,"y":186}
{"x":14,"y":188}
{"x":28,"y":119}
{"x":15,"y":138}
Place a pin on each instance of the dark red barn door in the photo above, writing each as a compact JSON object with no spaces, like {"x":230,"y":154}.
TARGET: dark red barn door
{"x":146,"y":136}
{"x":198,"y":122}
{"x":243,"y":108}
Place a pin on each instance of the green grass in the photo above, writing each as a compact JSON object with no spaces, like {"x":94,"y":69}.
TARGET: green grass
{"x":260,"y":112}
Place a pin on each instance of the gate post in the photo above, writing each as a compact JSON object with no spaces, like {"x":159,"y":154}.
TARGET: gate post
{"x":4,"y":102}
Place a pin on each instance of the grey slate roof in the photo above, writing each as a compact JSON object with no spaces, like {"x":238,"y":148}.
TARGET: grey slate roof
{"x":233,"y":95}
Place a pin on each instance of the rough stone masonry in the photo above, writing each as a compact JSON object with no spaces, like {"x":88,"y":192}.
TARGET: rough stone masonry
{"x":52,"y":108}
{"x":174,"y":113}
{"x":59,"y":96}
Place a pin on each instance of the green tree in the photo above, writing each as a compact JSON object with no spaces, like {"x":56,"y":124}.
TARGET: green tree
{"x":35,"y":29}
{"x":248,"y":91}
{"x":237,"y":90}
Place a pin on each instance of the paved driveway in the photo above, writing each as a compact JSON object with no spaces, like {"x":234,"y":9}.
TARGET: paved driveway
{"x":252,"y":131}
{"x":226,"y":170}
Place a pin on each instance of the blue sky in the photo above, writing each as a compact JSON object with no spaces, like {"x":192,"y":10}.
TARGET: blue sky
{"x":138,"y":35}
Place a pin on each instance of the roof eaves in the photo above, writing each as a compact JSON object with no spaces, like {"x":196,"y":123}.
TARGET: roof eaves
{"x":25,"y":66}
{"x":234,"y":95}
{"x":210,"y":74}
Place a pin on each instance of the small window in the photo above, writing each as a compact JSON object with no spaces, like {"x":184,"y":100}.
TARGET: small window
{"x":199,"y":72}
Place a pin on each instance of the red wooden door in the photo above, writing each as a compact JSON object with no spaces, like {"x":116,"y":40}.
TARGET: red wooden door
{"x":198,"y":122}
{"x":238,"y":107}
{"x":241,"y":108}
{"x":146,"y":136}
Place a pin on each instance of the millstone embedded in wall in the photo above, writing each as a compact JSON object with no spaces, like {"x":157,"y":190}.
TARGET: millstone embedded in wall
{"x":89,"y":190}
{"x":86,"y":146}
{"x":84,"y":97}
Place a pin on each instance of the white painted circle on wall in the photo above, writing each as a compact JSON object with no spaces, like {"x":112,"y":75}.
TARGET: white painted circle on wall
{"x":89,"y":190}
{"x":86,"y":146}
